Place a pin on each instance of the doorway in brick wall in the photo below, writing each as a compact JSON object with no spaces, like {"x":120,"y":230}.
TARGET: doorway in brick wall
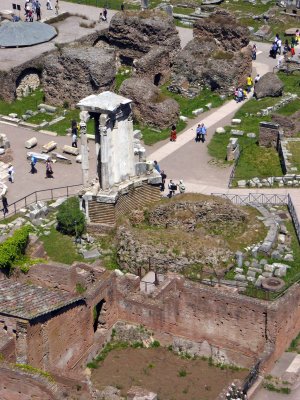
{"x":99,"y":314}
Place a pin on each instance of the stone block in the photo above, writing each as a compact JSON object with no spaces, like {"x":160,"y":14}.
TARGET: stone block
{"x":47,"y":108}
{"x":88,"y":254}
{"x":137,"y":134}
{"x":49,"y":146}
{"x":269,"y":268}
{"x":242,"y":183}
{"x":236,"y":121}
{"x":236,"y":132}
{"x":288,"y":257}
{"x":220,"y":130}
{"x":31,"y":143}
{"x":251,"y":135}
{"x":251,"y":274}
{"x":13,"y":115}
{"x":74,"y":151}
{"x":281,"y":238}
{"x":239,"y":270}
{"x":259,"y":281}
{"x":138,"y":393}
{"x":79,"y":159}
{"x":208,"y":106}
{"x":60,"y":158}
{"x":240,"y":277}
{"x":56,"y":120}
{"x":183,"y":118}
{"x":57,"y":203}
{"x":198,"y":111}
{"x":267,"y":274}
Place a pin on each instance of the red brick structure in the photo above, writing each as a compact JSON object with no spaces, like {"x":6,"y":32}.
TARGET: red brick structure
{"x":59,"y":331}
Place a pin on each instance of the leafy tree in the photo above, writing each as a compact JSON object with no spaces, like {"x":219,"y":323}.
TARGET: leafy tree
{"x":70,"y":219}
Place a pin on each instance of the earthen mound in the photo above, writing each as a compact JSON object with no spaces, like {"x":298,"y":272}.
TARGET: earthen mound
{"x":269,"y":85}
{"x":150,"y":106}
{"x":76,"y":72}
{"x":224,"y":29}
{"x":134,"y":33}
{"x":186,"y":233}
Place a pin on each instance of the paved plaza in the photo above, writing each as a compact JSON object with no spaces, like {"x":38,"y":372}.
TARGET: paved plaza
{"x":183,"y":159}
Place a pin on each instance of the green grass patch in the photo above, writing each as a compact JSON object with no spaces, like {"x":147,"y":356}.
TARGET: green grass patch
{"x":33,"y":370}
{"x":295,"y":344}
{"x":60,"y":248}
{"x":188,"y":105}
{"x":294,"y":149}
{"x":290,"y":108}
{"x":151,"y":135}
{"x":21,"y":106}
{"x":121,"y":76}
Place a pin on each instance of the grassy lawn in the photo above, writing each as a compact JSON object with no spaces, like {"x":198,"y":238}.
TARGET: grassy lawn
{"x":60,"y":248}
{"x":151,"y":136}
{"x":290,"y":108}
{"x":21,"y":106}
{"x":188,"y":105}
{"x":294,"y":148}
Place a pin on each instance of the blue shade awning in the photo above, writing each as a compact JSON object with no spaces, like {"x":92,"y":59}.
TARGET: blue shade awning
{"x":19,"y":34}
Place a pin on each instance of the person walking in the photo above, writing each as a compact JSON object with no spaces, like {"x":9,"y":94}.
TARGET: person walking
{"x":5,"y":205}
{"x":74,"y":140}
{"x":173,"y":136}
{"x":254,"y":51}
{"x":203,"y":133}
{"x":156,"y":166}
{"x":49,"y":171}
{"x":181,"y":186}
{"x":249,"y":83}
{"x":33,"y":162}
{"x":198,"y":133}
{"x":105,"y":14}
{"x":56,"y":7}
{"x":11,"y":173}
{"x":163,"y":181}
{"x":38,"y":10}
{"x":122,"y":7}
{"x":49,"y":5}
{"x":172,"y":188}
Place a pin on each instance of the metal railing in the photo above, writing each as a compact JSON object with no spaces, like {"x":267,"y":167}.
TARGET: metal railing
{"x":294,"y":217}
{"x":42,"y":195}
{"x":255,"y":198}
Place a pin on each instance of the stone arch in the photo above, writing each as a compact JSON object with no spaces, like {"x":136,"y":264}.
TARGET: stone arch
{"x":27,"y":81}
{"x":99,"y":314}
{"x":157,"y":79}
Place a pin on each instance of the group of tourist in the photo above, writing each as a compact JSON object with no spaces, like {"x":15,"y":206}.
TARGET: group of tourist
{"x":172,"y":186}
{"x":288,"y":48}
{"x":241,"y":93}
{"x":201,"y":132}
{"x":33,"y":7}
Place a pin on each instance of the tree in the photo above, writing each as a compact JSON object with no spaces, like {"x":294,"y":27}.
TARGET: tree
{"x":70,"y":219}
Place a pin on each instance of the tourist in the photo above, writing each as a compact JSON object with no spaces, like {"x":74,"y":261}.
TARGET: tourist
{"x":49,"y":5}
{"x":122,"y":7}
{"x":286,"y":48}
{"x":11,"y":173}
{"x":49,"y":171}
{"x":33,"y":162}
{"x":254,"y":51}
{"x":172,"y":188}
{"x":173,"y":136}
{"x":163,"y":181}
{"x":279,"y":44}
{"x":5,"y":205}
{"x":292,"y":49}
{"x":256,"y":79}
{"x":33,"y":5}
{"x":203,"y":133}
{"x":105,"y":14}
{"x":181,"y":186}
{"x":56,"y":7}
{"x":273,"y":50}
{"x":198,"y":133}
{"x":74,"y":140}
{"x":38,"y":10}
{"x":249,"y":83}
{"x":156,"y":166}
{"x":297,"y":36}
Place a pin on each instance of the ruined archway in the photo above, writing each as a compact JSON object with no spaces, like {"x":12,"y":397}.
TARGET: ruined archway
{"x":99,"y":314}
{"x":28,"y":81}
{"x":157,"y":79}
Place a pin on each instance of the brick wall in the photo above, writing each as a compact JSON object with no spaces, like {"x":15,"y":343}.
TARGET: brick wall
{"x":268,"y":134}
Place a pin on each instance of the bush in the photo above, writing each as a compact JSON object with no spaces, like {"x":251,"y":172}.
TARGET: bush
{"x":14,"y":247}
{"x":70,"y":219}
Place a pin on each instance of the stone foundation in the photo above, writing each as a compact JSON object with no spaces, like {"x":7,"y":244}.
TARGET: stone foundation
{"x":106,"y":209}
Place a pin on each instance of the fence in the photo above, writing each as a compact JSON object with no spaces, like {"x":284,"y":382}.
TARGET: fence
{"x":42,"y":195}
{"x":255,"y":198}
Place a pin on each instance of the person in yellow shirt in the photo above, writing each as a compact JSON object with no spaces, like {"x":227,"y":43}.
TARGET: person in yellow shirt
{"x":249,"y":83}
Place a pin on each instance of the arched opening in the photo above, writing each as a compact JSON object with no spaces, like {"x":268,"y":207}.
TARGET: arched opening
{"x":28,"y":81}
{"x":99,"y":314}
{"x":157,"y":79}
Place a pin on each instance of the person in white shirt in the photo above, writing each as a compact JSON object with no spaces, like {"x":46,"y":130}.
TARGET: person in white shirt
{"x":11,"y":173}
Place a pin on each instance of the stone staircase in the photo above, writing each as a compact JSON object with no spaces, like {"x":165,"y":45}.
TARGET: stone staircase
{"x":101,"y":213}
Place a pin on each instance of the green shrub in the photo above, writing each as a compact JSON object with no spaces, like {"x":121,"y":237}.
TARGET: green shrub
{"x":155,"y":343}
{"x":13,"y":247}
{"x":70,"y":219}
{"x":182,"y":373}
